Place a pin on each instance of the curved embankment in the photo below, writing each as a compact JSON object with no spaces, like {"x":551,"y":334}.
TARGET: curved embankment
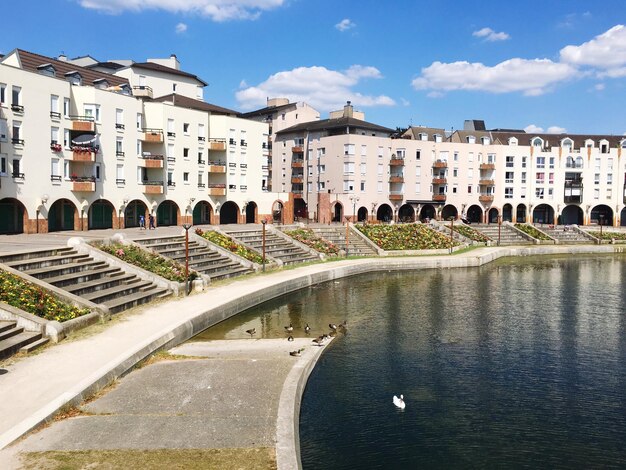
{"x":69,"y":372}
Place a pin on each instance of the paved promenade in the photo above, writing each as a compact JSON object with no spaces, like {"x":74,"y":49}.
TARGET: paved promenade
{"x":34,"y":388}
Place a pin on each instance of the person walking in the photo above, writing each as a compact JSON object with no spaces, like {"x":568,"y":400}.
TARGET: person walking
{"x":142,"y":222}
{"x":151,"y":220}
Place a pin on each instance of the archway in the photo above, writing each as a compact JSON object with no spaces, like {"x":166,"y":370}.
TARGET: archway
{"x":100,"y":215}
{"x":492,"y":215}
{"x":507,"y":213}
{"x":337,"y":211}
{"x":427,"y":212}
{"x":475,"y":214}
{"x":602,"y":214}
{"x":572,"y":215}
{"x":299,"y":209}
{"x":384,"y":213}
{"x":201,"y":214}
{"x":449,"y":211}
{"x":406,"y":213}
{"x":543,"y":214}
{"x":361,"y":214}
{"x":251,"y":208}
{"x":277,"y":212}
{"x":12,"y":215}
{"x":520,"y":213}
{"x":622,"y":217}
{"x":132,"y":212}
{"x":228,"y":213}
{"x":61,"y":216}
{"x":167,"y":214}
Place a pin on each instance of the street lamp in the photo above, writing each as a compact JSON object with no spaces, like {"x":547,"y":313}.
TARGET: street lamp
{"x":264,"y":222}
{"x":186,"y":227}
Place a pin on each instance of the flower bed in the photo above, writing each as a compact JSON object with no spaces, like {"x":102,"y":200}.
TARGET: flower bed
{"x":31,"y":298}
{"x":310,"y":239}
{"x":231,"y":245}
{"x":155,"y":263}
{"x":532,"y":231}
{"x":472,"y":234}
{"x":607,"y":235}
{"x":405,"y":237}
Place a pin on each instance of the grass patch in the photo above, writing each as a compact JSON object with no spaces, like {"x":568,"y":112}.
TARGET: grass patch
{"x":263,"y":458}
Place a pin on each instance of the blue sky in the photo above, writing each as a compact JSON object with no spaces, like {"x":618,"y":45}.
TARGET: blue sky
{"x":553,"y":65}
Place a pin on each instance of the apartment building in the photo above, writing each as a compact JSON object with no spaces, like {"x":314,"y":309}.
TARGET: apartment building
{"x":364,"y":172}
{"x":83,"y":148}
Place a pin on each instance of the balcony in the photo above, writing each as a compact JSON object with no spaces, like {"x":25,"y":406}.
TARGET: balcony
{"x":217,"y":145}
{"x":486,"y":182}
{"x":151,"y":161}
{"x":201,"y":162}
{"x":171,"y":184}
{"x":84,"y":153}
{"x":142,"y":91}
{"x":574,"y":192}
{"x":201,"y":138}
{"x":55,"y":115}
{"x":119,"y":153}
{"x":56,"y":178}
{"x":440,"y":164}
{"x":243,"y":143}
{"x":17,"y":108}
{"x":217,"y":167}
{"x":485,"y":198}
{"x":297,"y":149}
{"x":83,"y":184}
{"x":152,"y":187}
{"x":232,"y":142}
{"x":16,"y":175}
{"x":487,"y":166}
{"x":16,"y":141}
{"x":396,"y":196}
{"x":396,"y":179}
{"x":119,"y":126}
{"x":201,"y":185}
{"x":297,"y":163}
{"x":151,"y":135}
{"x":83,"y":123}
{"x":297,"y":180}
{"x":171,"y":134}
{"x":217,"y":189}
{"x":439,"y":197}
{"x":440,"y":181}
{"x":120,"y":182}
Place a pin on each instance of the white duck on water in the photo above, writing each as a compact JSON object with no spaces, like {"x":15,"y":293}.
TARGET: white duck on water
{"x":399,"y":402}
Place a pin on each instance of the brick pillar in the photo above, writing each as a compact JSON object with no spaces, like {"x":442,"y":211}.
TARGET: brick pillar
{"x":324,"y":215}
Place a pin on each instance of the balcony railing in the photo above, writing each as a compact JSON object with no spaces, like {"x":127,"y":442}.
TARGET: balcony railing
{"x":395,"y":196}
{"x":15,"y":141}
{"x":152,"y":135}
{"x":56,"y":178}
{"x":119,"y":126}
{"x":17,"y":176}
{"x":141,"y":91}
{"x":297,"y":163}
{"x":171,"y":184}
{"x":55,"y":146}
{"x":152,"y":187}
{"x":243,"y":165}
{"x":55,"y":115}
{"x":83,"y":123}
{"x":217,"y":144}
{"x":201,"y":185}
{"x":440,"y":181}
{"x":485,"y":198}
{"x":201,"y":162}
{"x":297,"y":149}
{"x":440,"y":164}
{"x":171,"y":134}
{"x":396,"y":179}
{"x":217,"y":189}
{"x":243,"y":187}
{"x":171,"y":159}
{"x":119,"y":153}
{"x":201,"y":139}
{"x":232,"y":142}
{"x":243,"y":143}
{"x":487,"y":166}
{"x":487,"y":182}
{"x":17,"y":108}
{"x":439,"y":197}
{"x":120,"y":181}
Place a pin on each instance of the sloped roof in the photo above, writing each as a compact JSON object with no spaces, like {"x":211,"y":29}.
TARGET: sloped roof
{"x":182,"y":101}
{"x":414,"y":132}
{"x":330,"y":124}
{"x":267,"y":110}
{"x":162,"y":68}
{"x":31,"y":61}
{"x":554,"y":140}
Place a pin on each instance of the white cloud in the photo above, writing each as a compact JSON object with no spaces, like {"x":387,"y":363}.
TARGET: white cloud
{"x":606,"y":51}
{"x":532,"y":129}
{"x":490,"y":35}
{"x":181,"y":28}
{"x":345,"y":25}
{"x":322,"y":88}
{"x":556,"y":130}
{"x":617,"y":72}
{"x":531,"y":77}
{"x":599,"y":86}
{"x":217,"y":10}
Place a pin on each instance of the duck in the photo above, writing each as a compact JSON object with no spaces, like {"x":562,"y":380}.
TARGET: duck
{"x":289,"y":329}
{"x":296,"y":353}
{"x":319,"y":340}
{"x":307,"y":329}
{"x":251,"y":332}
{"x":290,"y":338}
{"x":399,"y":402}
{"x":332,"y":326}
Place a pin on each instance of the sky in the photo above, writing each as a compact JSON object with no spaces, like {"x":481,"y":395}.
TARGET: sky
{"x":540,"y":65}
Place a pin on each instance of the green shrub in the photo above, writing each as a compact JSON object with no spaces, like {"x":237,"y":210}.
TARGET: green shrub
{"x":472,"y":234}
{"x":406,"y":237}
{"x":532,"y":231}
{"x":607,"y":235}
{"x":152,"y":262}
{"x":231,"y":245}
{"x":31,"y":298}
{"x":310,"y":239}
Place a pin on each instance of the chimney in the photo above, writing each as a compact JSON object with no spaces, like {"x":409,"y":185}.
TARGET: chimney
{"x":348,"y":110}
{"x":62,"y":57}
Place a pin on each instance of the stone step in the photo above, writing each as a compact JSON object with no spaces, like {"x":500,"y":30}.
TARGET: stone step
{"x":180,"y":251}
{"x":34,"y":345}
{"x":141,"y":297}
{"x":6,"y":325}
{"x":59,"y":270}
{"x":13,"y":344}
{"x":105,"y":282}
{"x":206,"y":255}
{"x":120,"y":291}
{"x":35,"y":263}
{"x":227,"y":273}
{"x":212,"y":264}
{"x":43,"y":253}
{"x":87,"y":275}
{"x":16,"y":330}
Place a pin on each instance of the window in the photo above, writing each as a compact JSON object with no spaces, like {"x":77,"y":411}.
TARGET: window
{"x":186,"y":128}
{"x":550,"y":193}
{"x":539,"y":193}
{"x":66,"y":107}
{"x":119,"y":146}
{"x":362,"y":186}
{"x":55,"y":170}
{"x":17,"y":125}
{"x":379,"y":187}
{"x":3,"y":164}
{"x":437,"y":137}
{"x":455,"y":172}
{"x":321,"y":152}
{"x":470,"y":157}
{"x":139,"y":147}
{"x":550,"y":178}
{"x":523,"y":177}
{"x":54,"y":107}
{"x":469,"y":189}
{"x":537,"y":142}
{"x":551,"y":162}
{"x":321,"y":186}
{"x":418,"y":188}
{"x":609,"y":163}
{"x":170,"y":128}
{"x":418,"y":171}
{"x":139,"y":120}
{"x":310,"y":170}
{"x":596,"y":178}
{"x":348,"y":186}
{"x":470,"y":173}
{"x":379,"y":169}
{"x":456,"y":156}
{"x":186,"y":177}
{"x":609,"y":178}
{"x":348,"y":168}
{"x":541,"y":162}
{"x":54,"y":135}
{"x":508,"y":193}
{"x":524,"y":162}
{"x":321,"y":168}
{"x":596,"y":193}
{"x":16,"y":168}
{"x":201,"y":134}
{"x":422,"y":136}
{"x":66,"y":138}
{"x":119,"y":119}
{"x":363,"y":168}
{"x":485,"y":140}
{"x":4,"y":130}
{"x":540,"y":178}
{"x":348,"y":149}
{"x":119,"y":174}
{"x":16,"y":95}
{"x":363,"y":150}
{"x":454,"y":189}
{"x":74,"y":78}
{"x":400,"y":153}
{"x":598,"y":164}
{"x":471,"y":139}
{"x":510,"y":162}
{"x":380,"y":151}
{"x":185,"y":153}
{"x":508,"y":177}
{"x":417,"y":155}
{"x":93,"y":111}
{"x":3,"y":92}
{"x":201,"y":157}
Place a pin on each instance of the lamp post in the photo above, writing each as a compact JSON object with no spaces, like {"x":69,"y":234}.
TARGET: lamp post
{"x":451,"y":233}
{"x":354,"y":199}
{"x":186,"y":227}
{"x":347,"y":234}
{"x":499,"y":228}
{"x":264,"y":222}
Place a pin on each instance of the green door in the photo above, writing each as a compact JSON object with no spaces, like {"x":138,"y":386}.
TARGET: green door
{"x":100,"y":215}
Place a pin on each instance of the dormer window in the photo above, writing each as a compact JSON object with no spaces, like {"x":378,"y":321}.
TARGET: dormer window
{"x":512,"y":141}
{"x":623,"y":144}
{"x":101,"y":83}
{"x":537,"y":142}
{"x":567,"y":144}
{"x":485,"y":140}
{"x":437,"y":137}
{"x":471,"y":139}
{"x":47,"y":69}
{"x":604,"y":146}
{"x":589,"y":143}
{"x":74,"y":78}
{"x":423,"y":136}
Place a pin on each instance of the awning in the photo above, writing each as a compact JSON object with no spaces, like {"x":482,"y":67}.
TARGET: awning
{"x":84,"y":139}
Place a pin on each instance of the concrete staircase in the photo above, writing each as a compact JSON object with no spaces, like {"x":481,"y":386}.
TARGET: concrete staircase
{"x":337,"y":236}
{"x":566,"y":235}
{"x":279,"y":248}
{"x":201,"y":257}
{"x":81,"y":275}
{"x":508,"y":234}
{"x":14,"y":339}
